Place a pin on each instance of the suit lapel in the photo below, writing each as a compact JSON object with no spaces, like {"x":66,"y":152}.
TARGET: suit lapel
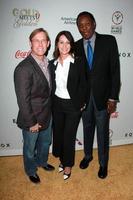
{"x":82,"y":53}
{"x":82,"y":49}
{"x":38,"y":70}
{"x":70,"y":73}
{"x":97,"y":50}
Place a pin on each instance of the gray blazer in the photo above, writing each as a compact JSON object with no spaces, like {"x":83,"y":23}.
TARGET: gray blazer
{"x":33,"y":94}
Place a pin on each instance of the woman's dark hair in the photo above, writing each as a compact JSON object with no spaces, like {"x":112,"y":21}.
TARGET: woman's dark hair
{"x":85,"y":13}
{"x":70,"y":38}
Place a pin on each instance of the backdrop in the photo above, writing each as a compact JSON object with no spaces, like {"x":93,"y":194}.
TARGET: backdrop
{"x":19,"y":18}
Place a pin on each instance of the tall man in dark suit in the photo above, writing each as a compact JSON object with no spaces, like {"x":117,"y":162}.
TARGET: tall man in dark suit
{"x":33,"y":91}
{"x":103,"y":76}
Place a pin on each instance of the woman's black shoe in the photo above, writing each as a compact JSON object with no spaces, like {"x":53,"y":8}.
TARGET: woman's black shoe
{"x":66,"y":176}
{"x":61,"y":168}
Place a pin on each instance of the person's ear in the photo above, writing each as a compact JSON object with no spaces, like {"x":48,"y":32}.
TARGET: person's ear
{"x":30,"y":44}
{"x":48,"y":44}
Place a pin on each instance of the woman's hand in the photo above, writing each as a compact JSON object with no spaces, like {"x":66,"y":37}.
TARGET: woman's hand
{"x":82,"y":108}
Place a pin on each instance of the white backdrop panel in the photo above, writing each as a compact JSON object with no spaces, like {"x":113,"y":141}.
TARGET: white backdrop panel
{"x":19,"y":18}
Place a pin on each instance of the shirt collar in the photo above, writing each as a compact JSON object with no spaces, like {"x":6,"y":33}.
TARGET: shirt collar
{"x":92,"y":39}
{"x":68,"y":59}
{"x":39,"y":62}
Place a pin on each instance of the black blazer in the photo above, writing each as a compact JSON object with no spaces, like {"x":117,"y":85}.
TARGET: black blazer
{"x":104,"y":78}
{"x":76,"y":83}
{"x":33,"y":94}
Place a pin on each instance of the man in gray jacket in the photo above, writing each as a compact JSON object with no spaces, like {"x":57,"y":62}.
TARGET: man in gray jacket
{"x":33,"y":91}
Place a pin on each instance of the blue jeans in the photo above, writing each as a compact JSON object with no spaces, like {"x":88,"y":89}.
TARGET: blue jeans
{"x":36,"y":149}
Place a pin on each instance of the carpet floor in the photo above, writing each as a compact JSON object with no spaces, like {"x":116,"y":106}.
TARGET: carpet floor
{"x":82,"y":185}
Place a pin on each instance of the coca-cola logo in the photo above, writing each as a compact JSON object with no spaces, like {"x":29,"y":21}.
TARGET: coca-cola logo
{"x":21,"y":54}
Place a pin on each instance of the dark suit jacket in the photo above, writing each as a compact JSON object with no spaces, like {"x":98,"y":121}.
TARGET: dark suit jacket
{"x":104,"y":78}
{"x":33,"y":94}
{"x":76,"y":83}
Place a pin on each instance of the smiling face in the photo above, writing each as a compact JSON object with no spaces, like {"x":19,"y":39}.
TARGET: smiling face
{"x":64,"y":46}
{"x":86,"y":26}
{"x":39,"y":45}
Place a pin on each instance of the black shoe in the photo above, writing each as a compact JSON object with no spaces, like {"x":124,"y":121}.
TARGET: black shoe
{"x":48,"y":167}
{"x":35,"y":178}
{"x":85,"y":163}
{"x":61,"y":168}
{"x":66,"y":176}
{"x":103,"y":172}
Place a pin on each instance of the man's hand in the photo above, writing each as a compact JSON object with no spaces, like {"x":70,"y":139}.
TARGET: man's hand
{"x":111,"y":106}
{"x":35,"y":128}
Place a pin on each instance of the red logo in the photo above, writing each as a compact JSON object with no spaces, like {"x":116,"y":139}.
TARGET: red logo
{"x":21,"y":54}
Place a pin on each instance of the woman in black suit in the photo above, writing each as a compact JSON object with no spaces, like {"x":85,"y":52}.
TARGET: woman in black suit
{"x":69,"y":99}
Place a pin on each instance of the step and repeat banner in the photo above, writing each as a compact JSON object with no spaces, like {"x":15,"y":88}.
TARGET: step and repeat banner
{"x":19,"y":18}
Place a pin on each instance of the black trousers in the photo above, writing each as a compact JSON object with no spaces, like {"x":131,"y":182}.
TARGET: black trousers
{"x":99,"y":120}
{"x":65,"y":124}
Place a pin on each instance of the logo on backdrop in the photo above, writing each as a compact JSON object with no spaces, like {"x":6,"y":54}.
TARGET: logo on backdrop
{"x":125,"y":54}
{"x":79,"y":142}
{"x":68,"y":20}
{"x":129,"y":134}
{"x":21,"y":54}
{"x":5,"y":145}
{"x":117,"y":19}
{"x":25,"y":17}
